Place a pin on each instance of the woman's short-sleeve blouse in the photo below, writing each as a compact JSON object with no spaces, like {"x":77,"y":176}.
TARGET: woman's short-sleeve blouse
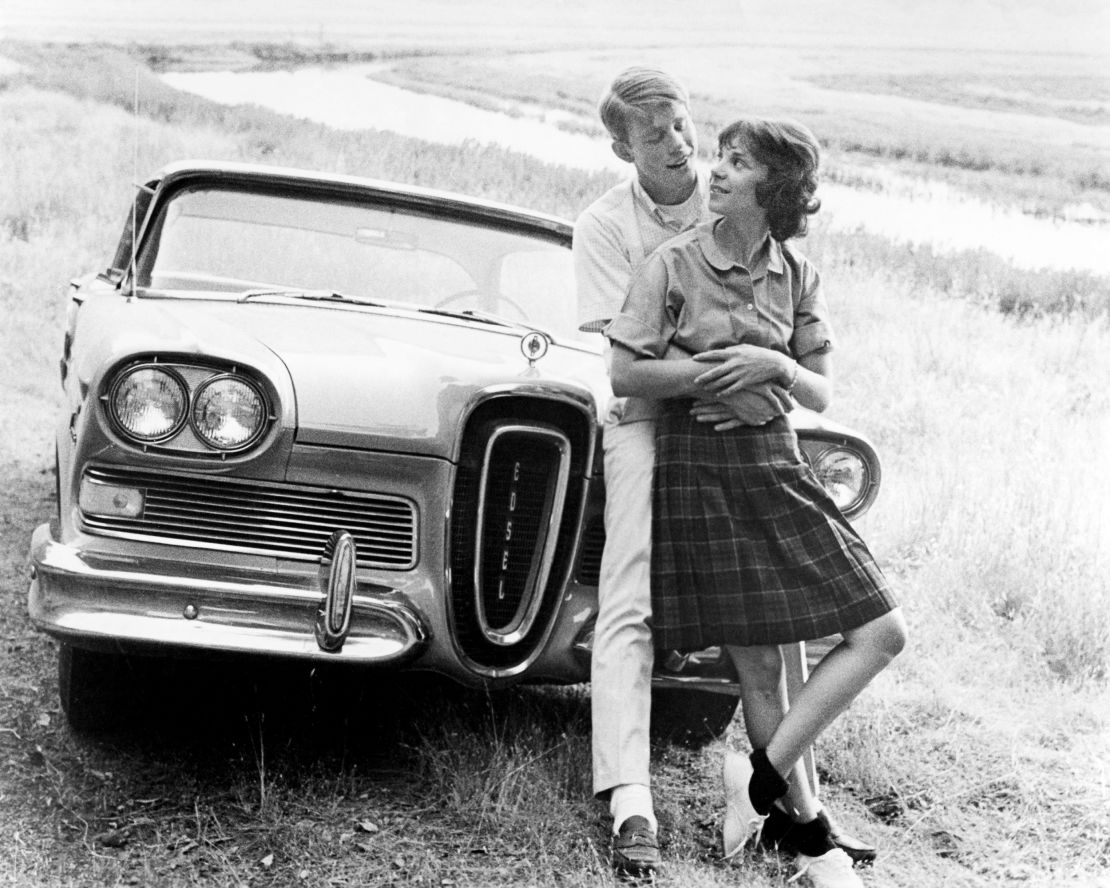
{"x":689,"y":294}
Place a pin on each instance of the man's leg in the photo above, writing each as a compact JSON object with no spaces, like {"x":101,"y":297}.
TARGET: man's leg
{"x":622,"y":650}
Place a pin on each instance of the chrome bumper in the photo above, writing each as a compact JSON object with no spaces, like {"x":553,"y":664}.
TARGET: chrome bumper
{"x":94,"y":599}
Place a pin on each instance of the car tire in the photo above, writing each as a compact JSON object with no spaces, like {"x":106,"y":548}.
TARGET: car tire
{"x":690,"y":718}
{"x":96,"y":689}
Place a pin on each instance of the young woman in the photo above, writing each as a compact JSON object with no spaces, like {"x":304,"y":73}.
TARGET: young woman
{"x":748,"y":550}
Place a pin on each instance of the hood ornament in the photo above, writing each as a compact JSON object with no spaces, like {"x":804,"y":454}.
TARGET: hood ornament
{"x":534,"y":346}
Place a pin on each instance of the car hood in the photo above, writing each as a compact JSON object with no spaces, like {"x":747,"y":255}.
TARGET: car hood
{"x":379,"y":379}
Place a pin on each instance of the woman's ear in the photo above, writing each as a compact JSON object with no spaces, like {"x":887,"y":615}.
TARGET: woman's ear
{"x":623,"y":150}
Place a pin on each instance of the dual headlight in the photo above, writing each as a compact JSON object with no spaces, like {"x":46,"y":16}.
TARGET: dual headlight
{"x":153,"y":403}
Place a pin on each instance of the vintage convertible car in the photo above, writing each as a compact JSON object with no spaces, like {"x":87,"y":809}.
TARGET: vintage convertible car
{"x":320,"y":417}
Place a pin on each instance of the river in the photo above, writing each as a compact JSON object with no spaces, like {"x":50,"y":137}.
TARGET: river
{"x":914,"y":210}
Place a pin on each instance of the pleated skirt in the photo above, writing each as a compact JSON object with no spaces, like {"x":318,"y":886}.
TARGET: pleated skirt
{"x":747,"y":547}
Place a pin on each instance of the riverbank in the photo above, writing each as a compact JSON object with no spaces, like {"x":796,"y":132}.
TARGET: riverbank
{"x":1030,"y":132}
{"x":875,"y":197}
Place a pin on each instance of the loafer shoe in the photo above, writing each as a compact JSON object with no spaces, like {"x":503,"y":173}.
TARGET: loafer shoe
{"x":861,"y":852}
{"x":777,"y":835}
{"x":833,"y":869}
{"x":635,"y":848}
{"x":743,"y":824}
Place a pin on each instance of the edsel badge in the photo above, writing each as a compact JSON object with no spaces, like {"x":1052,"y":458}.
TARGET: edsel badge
{"x":533,"y":346}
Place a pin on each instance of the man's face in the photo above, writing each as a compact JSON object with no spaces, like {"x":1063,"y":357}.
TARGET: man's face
{"x":662,"y":143}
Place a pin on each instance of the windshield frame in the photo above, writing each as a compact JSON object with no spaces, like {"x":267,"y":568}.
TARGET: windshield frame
{"x":439,"y":208}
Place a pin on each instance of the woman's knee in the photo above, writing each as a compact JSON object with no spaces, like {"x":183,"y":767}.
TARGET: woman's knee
{"x":886,"y":635}
{"x":758,"y":667}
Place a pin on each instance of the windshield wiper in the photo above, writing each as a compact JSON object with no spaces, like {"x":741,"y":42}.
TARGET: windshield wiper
{"x":486,"y":317}
{"x":314,"y":295}
{"x":467,"y":314}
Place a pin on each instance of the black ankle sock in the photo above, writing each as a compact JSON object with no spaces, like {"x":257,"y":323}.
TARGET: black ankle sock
{"x":766,"y":784}
{"x":811,"y":839}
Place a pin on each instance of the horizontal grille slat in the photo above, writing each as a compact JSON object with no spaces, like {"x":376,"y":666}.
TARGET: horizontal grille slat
{"x":283,"y":520}
{"x":279,"y":511}
{"x":217,"y":530}
{"x":163,"y":512}
{"x":259,"y":501}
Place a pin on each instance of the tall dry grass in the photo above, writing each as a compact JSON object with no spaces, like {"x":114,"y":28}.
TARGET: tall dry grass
{"x":983,"y":751}
{"x":988,"y":742}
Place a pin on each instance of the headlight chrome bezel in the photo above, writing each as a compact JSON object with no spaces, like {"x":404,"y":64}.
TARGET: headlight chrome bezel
{"x":130,"y":373}
{"x":246,"y":382}
{"x":818,"y":452}
{"x":194,"y":378}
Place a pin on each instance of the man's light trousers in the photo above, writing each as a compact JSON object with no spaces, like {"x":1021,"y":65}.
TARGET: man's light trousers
{"x":622,"y":650}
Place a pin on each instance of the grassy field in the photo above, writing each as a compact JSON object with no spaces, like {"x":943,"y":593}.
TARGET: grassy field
{"x":981,"y":758}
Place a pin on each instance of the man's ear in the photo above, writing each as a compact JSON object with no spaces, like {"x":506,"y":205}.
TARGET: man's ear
{"x":623,"y":150}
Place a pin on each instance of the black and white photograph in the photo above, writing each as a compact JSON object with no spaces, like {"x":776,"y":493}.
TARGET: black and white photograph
{"x":555,"y":443}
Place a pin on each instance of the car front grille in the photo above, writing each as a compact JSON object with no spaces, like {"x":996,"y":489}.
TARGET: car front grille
{"x":516,"y":513}
{"x":283,"y":520}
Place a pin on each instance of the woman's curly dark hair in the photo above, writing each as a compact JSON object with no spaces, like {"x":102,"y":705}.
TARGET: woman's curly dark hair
{"x":791,"y":154}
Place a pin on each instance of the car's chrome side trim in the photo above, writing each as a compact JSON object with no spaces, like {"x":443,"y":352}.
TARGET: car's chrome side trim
{"x":520,"y":624}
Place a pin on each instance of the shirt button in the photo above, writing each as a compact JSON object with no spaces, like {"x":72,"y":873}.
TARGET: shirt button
{"x":751,"y":306}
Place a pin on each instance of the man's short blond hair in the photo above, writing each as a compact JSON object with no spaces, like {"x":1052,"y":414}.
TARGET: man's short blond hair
{"x":636,"y":89}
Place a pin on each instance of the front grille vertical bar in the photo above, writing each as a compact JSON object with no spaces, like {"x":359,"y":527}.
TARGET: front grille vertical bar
{"x":531,"y":597}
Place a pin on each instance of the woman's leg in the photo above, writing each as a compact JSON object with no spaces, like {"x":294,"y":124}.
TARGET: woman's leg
{"x":834,"y":684}
{"x":763,"y":700}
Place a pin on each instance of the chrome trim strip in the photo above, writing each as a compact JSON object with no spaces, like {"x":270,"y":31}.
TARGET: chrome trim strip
{"x":696,"y":683}
{"x":337,"y":582}
{"x":63,"y":602}
{"x":580,"y":400}
{"x":532,"y":598}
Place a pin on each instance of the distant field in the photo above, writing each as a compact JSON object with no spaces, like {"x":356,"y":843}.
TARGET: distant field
{"x":1031,"y":26}
{"x":968,"y":118}
{"x":1007,"y":100}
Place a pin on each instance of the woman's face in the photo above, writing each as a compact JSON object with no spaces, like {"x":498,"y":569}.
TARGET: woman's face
{"x":734,"y":178}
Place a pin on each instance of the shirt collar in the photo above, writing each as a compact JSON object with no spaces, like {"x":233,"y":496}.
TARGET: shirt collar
{"x":644,"y":199}
{"x":770,"y":259}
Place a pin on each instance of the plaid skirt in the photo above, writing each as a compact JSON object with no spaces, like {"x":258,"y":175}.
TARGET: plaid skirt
{"x":747,"y":547}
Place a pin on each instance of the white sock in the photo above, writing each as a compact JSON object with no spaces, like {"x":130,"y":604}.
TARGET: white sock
{"x":628,"y":800}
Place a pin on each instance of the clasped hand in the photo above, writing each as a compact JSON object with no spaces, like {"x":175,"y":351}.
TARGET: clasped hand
{"x":738,"y":367}
{"x":739,"y":388}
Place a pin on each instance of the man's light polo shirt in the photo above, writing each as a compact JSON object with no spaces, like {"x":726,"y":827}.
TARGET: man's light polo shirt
{"x":612,"y":238}
{"x":614,"y":235}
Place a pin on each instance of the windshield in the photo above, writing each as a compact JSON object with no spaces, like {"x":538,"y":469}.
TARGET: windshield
{"x":235,"y":241}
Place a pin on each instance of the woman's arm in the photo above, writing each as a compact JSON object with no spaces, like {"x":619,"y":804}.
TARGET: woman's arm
{"x":741,"y":367}
{"x":813,"y":387}
{"x":676,"y":376}
{"x":646,"y":377}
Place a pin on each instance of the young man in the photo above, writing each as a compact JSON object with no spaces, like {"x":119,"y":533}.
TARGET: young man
{"x":646,"y":112}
